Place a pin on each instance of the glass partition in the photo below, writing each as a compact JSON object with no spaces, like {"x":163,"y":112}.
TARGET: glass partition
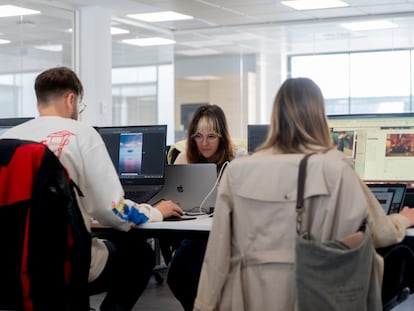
{"x":238,"y":68}
{"x":30,"y":44}
{"x":139,"y":78}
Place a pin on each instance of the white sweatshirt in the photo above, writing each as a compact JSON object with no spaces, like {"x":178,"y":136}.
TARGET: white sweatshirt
{"x":83,"y":153}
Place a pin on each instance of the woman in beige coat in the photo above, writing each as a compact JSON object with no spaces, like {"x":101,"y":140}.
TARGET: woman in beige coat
{"x":249,"y":262}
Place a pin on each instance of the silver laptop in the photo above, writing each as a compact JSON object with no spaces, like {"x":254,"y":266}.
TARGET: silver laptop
{"x":191,"y":186}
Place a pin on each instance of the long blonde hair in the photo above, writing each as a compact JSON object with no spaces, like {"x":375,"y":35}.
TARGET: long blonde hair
{"x":298,"y":120}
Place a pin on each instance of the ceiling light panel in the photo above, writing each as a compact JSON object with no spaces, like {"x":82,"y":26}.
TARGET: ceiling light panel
{"x":149,"y":41}
{"x":3,"y":41}
{"x":369,"y":25}
{"x":163,"y":16}
{"x":12,"y":10}
{"x":118,"y":31}
{"x":202,"y":78}
{"x":50,"y":47}
{"x":114,"y":31}
{"x":314,"y":4}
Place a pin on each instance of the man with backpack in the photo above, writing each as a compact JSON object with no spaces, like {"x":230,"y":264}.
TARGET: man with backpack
{"x":121,"y":264}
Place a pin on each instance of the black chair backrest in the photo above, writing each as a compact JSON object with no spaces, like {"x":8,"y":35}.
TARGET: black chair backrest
{"x":45,"y":245}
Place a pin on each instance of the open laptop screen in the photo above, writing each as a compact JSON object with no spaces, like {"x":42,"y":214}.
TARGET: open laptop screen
{"x":138,"y":152}
{"x":399,"y":191}
{"x":384,"y":198}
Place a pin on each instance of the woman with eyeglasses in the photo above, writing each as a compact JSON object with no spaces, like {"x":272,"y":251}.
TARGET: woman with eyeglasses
{"x":208,"y":141}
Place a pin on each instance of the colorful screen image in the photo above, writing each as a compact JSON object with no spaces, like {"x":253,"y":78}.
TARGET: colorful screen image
{"x":399,"y":145}
{"x":130,"y":154}
{"x":344,"y":141}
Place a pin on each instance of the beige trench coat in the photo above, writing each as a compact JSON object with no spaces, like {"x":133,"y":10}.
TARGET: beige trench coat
{"x":249,"y":262}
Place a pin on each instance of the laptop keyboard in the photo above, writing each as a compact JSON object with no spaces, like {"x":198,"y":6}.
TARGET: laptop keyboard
{"x":141,"y":195}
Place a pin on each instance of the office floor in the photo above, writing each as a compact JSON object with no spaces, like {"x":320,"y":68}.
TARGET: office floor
{"x":156,"y":297}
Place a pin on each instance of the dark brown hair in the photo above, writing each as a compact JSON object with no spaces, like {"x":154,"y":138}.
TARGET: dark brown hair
{"x":210,"y":118}
{"x":55,"y":82}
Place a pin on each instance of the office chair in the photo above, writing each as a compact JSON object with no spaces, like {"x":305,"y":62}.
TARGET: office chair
{"x":395,"y":285}
{"x":45,"y":247}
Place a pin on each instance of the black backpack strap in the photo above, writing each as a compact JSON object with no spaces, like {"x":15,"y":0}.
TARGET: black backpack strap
{"x":74,"y":186}
{"x":300,"y":208}
{"x":80,"y":255}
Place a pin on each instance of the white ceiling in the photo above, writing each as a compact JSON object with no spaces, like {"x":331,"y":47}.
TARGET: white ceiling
{"x":231,"y":26}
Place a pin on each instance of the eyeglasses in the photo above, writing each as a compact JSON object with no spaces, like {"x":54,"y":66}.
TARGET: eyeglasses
{"x":81,"y":107}
{"x":198,"y":137}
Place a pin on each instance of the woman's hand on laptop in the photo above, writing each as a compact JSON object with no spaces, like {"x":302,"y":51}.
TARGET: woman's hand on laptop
{"x":169,"y":208}
{"x":409,"y":213}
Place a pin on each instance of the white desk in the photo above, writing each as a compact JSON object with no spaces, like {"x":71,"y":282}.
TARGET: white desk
{"x":200,"y":224}
{"x":199,"y":227}
{"x":409,"y":232}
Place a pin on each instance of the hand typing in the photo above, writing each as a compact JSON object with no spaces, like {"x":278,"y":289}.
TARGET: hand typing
{"x":409,"y":213}
{"x":169,"y":208}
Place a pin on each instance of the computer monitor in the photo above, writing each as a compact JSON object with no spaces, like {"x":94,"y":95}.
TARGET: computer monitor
{"x":8,"y":123}
{"x":381,"y":146}
{"x":137,"y":152}
{"x":384,"y":145}
{"x":256,"y":135}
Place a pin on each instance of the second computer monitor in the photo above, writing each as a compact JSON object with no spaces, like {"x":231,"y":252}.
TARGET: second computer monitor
{"x":256,"y":135}
{"x":137,"y":152}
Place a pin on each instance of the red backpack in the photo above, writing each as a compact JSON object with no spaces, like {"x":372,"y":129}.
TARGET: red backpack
{"x":45,"y":246}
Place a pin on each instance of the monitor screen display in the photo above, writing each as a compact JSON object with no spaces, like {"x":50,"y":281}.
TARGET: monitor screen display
{"x":398,"y":190}
{"x":137,"y":152}
{"x":381,"y":145}
{"x":384,"y":145}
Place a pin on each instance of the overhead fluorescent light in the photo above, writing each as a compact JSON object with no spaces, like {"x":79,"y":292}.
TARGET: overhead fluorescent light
{"x":114,"y":31}
{"x":314,"y":4}
{"x":12,"y":10}
{"x":118,"y":31}
{"x":198,"y":52}
{"x":149,"y":41}
{"x":50,"y":47}
{"x":369,"y":25}
{"x":3,"y":41}
{"x":202,"y":78}
{"x":164,"y":16}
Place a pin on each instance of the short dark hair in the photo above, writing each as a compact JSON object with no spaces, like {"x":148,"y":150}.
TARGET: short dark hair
{"x":54,"y":82}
